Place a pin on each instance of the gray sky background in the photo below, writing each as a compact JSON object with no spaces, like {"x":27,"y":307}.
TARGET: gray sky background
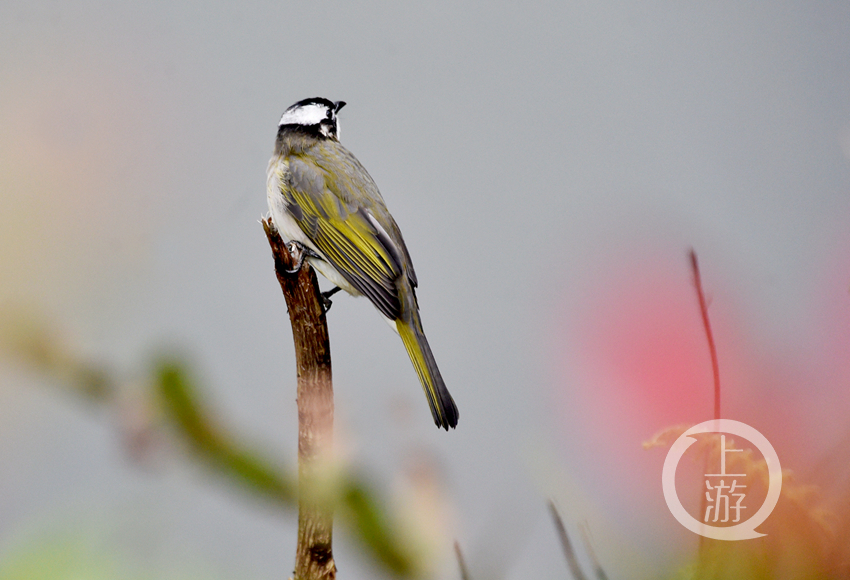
{"x":549,"y":164}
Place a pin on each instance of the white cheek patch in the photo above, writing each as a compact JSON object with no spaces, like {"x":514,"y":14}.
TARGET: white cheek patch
{"x":306,"y":115}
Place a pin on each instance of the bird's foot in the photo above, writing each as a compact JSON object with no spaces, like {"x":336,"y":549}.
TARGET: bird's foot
{"x":326,"y":297}
{"x":299,"y":252}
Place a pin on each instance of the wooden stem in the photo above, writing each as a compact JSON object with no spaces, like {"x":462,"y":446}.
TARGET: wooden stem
{"x":314,"y":556}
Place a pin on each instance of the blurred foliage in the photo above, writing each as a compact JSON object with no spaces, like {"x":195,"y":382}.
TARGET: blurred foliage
{"x":805,"y":538}
{"x":212,"y":443}
{"x":355,"y":502}
{"x":188,"y":420}
{"x":35,"y":343}
{"x":71,"y":553}
{"x":806,"y":535}
{"x":64,"y":558}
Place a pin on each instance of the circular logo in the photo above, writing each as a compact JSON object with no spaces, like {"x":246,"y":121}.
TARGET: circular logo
{"x":746,"y":529}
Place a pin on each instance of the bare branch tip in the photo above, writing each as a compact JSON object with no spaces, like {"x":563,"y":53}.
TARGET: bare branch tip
{"x":464,"y":572}
{"x":566,"y":544}
{"x":703,"y":307}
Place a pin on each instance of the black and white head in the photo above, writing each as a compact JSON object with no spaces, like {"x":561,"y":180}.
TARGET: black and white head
{"x":316,"y":116}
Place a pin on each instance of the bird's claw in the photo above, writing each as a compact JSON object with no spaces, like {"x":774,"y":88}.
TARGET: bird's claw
{"x":299,"y":252}
{"x":326,"y":297}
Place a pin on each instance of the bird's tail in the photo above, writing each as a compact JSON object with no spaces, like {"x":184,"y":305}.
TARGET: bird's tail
{"x":409,"y":327}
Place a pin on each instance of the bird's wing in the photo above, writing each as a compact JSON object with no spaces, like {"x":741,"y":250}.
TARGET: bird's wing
{"x":344,"y":228}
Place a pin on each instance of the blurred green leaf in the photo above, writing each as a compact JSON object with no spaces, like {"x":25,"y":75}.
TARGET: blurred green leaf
{"x":63,"y":558}
{"x":181,"y":400}
{"x":212,"y":442}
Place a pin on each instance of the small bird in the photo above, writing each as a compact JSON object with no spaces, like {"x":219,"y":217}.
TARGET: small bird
{"x":321,"y":197}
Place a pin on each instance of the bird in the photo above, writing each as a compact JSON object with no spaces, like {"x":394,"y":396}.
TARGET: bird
{"x":323,"y":199}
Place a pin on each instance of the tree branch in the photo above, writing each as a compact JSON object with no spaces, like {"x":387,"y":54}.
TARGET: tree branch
{"x":314,"y":554}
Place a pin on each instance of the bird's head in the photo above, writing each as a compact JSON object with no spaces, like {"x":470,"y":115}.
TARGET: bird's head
{"x":316,"y":116}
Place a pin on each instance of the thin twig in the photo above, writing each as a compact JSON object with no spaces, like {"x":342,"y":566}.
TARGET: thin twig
{"x":712,"y":350}
{"x":567,"y":546}
{"x":588,"y":545}
{"x":464,"y":571}
{"x":715,"y":371}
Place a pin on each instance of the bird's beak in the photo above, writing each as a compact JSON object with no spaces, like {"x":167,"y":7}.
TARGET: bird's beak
{"x":338,"y":105}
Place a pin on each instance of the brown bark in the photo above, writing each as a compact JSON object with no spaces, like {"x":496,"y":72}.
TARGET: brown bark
{"x":314,"y":556}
